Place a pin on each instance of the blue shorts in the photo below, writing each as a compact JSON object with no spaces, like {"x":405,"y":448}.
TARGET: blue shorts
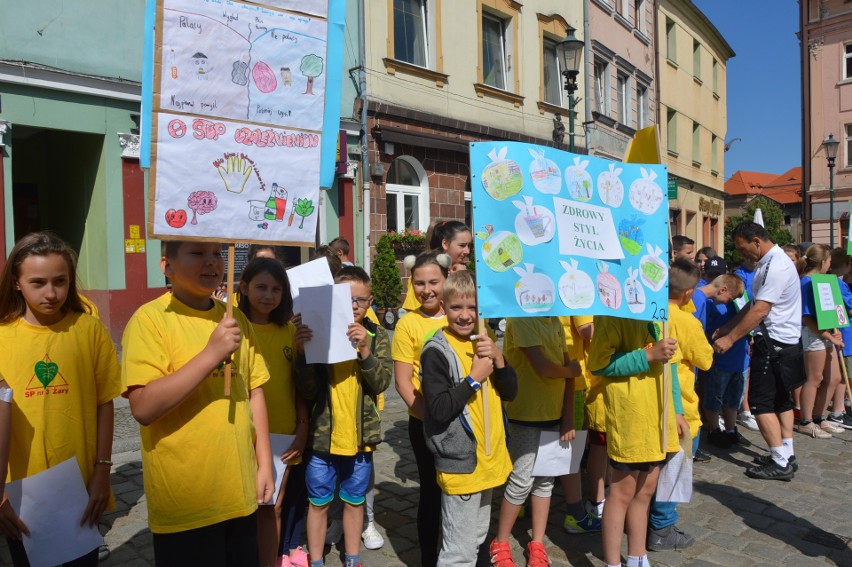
{"x":324,"y":471}
{"x":723,"y":388}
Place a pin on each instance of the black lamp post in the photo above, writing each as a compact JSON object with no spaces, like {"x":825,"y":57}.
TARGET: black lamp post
{"x":570,"y":51}
{"x":830,"y":144}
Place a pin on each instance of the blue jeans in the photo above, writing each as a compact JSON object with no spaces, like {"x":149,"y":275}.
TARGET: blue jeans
{"x":324,"y":471}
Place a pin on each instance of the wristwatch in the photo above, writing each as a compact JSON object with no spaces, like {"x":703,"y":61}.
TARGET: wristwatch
{"x":473,"y":384}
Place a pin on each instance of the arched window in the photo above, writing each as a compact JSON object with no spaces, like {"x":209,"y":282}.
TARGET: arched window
{"x":407,"y":195}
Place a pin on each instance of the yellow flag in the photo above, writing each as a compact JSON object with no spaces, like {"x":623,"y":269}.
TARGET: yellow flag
{"x":644,"y":147}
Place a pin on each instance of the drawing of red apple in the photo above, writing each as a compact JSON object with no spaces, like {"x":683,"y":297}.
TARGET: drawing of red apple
{"x":176,"y":218}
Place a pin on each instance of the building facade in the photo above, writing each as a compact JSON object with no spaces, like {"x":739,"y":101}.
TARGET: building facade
{"x":785,"y":190}
{"x":693,"y":118}
{"x":826,"y":56}
{"x":441,"y":74}
{"x":620,"y":74}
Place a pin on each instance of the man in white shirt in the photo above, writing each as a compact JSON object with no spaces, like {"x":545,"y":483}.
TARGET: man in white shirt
{"x":777,"y":364}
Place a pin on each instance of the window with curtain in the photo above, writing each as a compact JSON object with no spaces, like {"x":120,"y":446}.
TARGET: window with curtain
{"x":410,"y":41}
{"x":494,"y":67}
{"x":552,"y":73}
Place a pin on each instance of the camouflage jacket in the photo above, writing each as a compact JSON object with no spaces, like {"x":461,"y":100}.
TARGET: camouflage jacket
{"x":374,"y":376}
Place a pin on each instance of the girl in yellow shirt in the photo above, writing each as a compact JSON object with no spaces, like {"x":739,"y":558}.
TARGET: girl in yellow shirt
{"x":428,"y":273}
{"x":453,"y":238}
{"x":62,"y":364}
{"x":265,"y":299}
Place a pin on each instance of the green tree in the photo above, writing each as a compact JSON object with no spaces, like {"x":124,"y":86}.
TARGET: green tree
{"x":387,"y":285}
{"x":311,"y":67}
{"x":773,"y":221}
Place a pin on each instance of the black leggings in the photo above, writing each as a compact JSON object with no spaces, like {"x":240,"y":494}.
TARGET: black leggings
{"x":294,"y":505}
{"x":429,"y":506}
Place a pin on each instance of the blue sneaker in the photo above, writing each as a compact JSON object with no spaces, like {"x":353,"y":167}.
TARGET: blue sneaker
{"x":589,"y":524}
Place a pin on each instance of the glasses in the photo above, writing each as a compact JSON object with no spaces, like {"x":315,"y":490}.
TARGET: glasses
{"x":361,"y":301}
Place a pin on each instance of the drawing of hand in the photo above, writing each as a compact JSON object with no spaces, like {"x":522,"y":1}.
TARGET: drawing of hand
{"x":235,"y":173}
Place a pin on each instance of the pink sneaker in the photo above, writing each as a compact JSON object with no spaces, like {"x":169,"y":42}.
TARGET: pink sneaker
{"x":299,"y":558}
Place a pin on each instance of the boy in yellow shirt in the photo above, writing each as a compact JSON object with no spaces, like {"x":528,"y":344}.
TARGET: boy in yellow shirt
{"x":693,"y":351}
{"x":205,"y":456}
{"x":454,"y":367}
{"x":345,"y":425}
{"x":629,"y":355}
{"x":536,"y":349}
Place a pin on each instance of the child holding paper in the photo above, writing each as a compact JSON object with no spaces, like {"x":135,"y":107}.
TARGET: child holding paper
{"x":205,"y":456}
{"x":629,"y":355}
{"x":62,"y":365}
{"x":454,"y":366}
{"x":341,"y":447}
{"x":536,"y":348}
{"x":266,"y":301}
{"x":693,"y":351}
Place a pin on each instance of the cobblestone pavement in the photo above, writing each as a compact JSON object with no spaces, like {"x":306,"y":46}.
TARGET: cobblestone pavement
{"x":736,"y":521}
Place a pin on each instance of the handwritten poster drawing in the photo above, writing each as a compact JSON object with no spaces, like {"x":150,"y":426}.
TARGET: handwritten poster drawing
{"x":239,"y":95}
{"x":595,"y":246}
{"x":534,"y":225}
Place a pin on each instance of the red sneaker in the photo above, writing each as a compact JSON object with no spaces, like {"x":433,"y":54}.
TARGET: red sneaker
{"x":537,"y":555}
{"x":501,"y":554}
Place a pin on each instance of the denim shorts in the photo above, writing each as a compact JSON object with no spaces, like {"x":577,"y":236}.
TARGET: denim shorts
{"x":723,"y":388}
{"x":324,"y":471}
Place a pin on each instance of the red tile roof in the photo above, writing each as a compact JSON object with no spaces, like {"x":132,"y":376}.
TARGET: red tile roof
{"x":784,"y":188}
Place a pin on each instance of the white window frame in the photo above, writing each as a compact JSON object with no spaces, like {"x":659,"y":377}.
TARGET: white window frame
{"x":846,"y":71}
{"x":503,"y":50}
{"x":603,"y":95}
{"x":425,"y":13}
{"x":421,"y":191}
{"x":848,"y":147}
{"x":623,"y":96}
{"x":642,"y":110}
{"x":544,"y":54}
{"x":641,"y":17}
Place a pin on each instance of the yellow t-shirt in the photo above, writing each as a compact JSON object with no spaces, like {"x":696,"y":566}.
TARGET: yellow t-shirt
{"x":90,"y":305}
{"x":633,"y":403}
{"x":539,"y":397}
{"x":60,"y":375}
{"x":409,"y":336}
{"x":578,"y":347}
{"x":198,"y":459}
{"x":344,"y":403}
{"x":491,"y":470}
{"x":277,"y":344}
{"x":692,"y":350}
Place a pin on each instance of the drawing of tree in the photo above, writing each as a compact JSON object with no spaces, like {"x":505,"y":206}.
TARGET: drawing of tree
{"x":201,"y":203}
{"x":304,"y":208}
{"x":311,"y":67}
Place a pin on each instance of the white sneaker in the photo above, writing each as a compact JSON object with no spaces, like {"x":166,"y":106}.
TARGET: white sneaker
{"x":371,"y":537}
{"x":746,"y":419}
{"x":334,"y":532}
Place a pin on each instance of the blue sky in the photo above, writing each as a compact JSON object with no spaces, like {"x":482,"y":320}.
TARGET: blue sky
{"x":764,"y":107}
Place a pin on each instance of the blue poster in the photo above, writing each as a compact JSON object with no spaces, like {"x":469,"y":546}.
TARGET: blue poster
{"x":557,"y":233}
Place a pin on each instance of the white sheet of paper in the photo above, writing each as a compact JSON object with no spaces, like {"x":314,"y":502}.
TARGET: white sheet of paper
{"x":311,"y":274}
{"x":675,"y":481}
{"x":280,"y":443}
{"x":555,"y":458}
{"x":51,"y":504}
{"x":327,"y":311}
{"x":826,"y":298}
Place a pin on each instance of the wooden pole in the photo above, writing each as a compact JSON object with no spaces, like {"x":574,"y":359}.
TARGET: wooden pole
{"x":844,"y":373}
{"x":486,"y":419}
{"x":667,"y":386}
{"x":229,"y":311}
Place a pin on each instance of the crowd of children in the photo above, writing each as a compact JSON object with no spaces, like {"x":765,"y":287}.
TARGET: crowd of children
{"x":476,"y":411}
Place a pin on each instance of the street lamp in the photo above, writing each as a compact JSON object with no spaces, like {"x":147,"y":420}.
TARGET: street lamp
{"x":830,"y":145}
{"x":570,"y":51}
